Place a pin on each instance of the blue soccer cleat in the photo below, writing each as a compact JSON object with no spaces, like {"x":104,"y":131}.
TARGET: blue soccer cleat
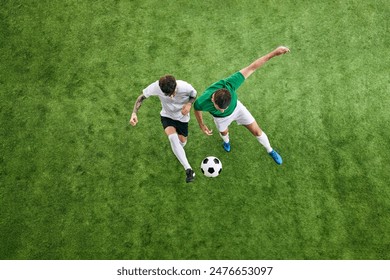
{"x":226,"y":146}
{"x":276,"y":157}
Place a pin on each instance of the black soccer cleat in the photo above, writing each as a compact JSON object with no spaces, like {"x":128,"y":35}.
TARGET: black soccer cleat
{"x":190,"y":175}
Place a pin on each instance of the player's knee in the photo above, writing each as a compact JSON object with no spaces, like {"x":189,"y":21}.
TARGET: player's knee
{"x":182,"y":138}
{"x":256,"y":131}
{"x":170,"y":130}
{"x":224,"y":133}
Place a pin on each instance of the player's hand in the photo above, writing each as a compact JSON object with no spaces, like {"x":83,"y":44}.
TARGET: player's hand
{"x":186,"y":109}
{"x":134,"y":119}
{"x":206,"y":130}
{"x":281,"y":50}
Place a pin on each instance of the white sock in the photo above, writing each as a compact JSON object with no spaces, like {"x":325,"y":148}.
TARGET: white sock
{"x":225,"y":137}
{"x":263,"y":139}
{"x":178,"y":150}
{"x":183,"y":144}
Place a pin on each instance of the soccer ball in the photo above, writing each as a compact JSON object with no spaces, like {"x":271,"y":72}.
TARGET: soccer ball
{"x":211,"y":166}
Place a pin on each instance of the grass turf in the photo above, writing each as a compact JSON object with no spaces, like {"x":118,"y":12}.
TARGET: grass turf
{"x":76,"y":182}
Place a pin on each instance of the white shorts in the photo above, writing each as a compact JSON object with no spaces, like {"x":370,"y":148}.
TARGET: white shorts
{"x":241,"y":115}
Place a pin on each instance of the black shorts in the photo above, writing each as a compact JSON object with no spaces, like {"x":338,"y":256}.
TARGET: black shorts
{"x":181,"y":128}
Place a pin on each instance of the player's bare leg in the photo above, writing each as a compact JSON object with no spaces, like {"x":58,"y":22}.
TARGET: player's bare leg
{"x":183,"y":140}
{"x":263,"y":140}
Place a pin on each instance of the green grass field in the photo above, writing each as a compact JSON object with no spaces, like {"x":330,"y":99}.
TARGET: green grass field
{"x":77,"y":182}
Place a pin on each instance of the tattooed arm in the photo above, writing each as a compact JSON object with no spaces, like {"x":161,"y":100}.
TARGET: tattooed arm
{"x":134,"y":118}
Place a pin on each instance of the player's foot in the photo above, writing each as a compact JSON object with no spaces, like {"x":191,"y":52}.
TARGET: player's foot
{"x":276,"y":157}
{"x":190,"y":175}
{"x":226,"y":146}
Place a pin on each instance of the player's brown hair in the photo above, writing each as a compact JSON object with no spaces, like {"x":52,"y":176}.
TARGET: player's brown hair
{"x":222,"y":98}
{"x":167,"y":84}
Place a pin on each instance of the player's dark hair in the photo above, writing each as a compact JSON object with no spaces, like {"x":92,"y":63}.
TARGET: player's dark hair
{"x":167,"y":84}
{"x":222,"y":98}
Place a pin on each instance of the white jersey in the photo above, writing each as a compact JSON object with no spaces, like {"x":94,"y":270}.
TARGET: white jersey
{"x":171,"y":107}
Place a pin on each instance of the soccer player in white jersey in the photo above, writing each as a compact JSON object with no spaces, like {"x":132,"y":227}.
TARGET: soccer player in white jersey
{"x":176,"y":98}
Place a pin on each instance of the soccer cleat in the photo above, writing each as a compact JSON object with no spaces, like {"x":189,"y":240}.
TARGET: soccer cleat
{"x":226,"y":146}
{"x":276,"y":157}
{"x":190,"y":175}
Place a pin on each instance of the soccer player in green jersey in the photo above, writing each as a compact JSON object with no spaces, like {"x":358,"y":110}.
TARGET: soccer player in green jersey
{"x":220,"y":100}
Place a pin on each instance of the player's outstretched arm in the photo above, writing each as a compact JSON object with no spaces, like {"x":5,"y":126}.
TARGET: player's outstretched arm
{"x":134,"y":119}
{"x":247,"y":71}
{"x":203,"y":127}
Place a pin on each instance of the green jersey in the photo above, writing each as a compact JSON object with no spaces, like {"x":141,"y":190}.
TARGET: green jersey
{"x":232,"y":83}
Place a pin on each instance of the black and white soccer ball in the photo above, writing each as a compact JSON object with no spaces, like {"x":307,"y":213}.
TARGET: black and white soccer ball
{"x":211,"y":166}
